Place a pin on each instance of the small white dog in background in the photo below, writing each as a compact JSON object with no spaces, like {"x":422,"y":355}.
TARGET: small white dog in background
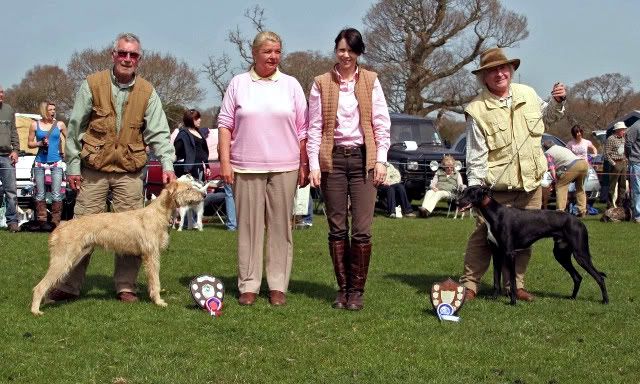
{"x":188,"y":211}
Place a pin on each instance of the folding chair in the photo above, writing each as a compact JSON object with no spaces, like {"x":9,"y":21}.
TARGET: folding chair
{"x":153,"y":184}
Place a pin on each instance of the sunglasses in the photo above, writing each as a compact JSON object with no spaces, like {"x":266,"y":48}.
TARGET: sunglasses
{"x":125,"y":54}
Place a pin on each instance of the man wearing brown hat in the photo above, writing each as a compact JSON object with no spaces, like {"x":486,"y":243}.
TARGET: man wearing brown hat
{"x":505,"y":123}
{"x":614,"y":155}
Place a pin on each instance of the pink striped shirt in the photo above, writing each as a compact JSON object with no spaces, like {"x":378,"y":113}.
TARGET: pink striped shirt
{"x":267,"y":119}
{"x":348,"y":131}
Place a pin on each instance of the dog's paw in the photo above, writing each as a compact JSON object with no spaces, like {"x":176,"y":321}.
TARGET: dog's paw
{"x":161,"y":303}
{"x":37,"y":312}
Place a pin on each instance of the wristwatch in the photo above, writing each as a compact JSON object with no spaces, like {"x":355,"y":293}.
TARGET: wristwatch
{"x":383,"y":163}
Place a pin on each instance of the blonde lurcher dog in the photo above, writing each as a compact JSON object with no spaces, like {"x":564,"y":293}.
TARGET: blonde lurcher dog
{"x":141,"y":232}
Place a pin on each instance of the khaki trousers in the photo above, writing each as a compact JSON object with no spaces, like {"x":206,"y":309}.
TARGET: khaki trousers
{"x":576,"y":172}
{"x":431,"y":198}
{"x":478,"y":254}
{"x":264,"y":200}
{"x":126,"y":193}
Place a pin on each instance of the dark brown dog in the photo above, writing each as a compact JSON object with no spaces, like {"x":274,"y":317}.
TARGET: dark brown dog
{"x":511,"y":229}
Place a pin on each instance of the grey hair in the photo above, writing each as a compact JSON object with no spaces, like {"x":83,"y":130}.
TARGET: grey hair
{"x":480,"y":76}
{"x":128,"y":37}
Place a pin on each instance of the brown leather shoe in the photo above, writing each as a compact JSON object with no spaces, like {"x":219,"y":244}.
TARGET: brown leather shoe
{"x":247,"y":298}
{"x":127,"y":297}
{"x":523,"y":295}
{"x":57,"y":295}
{"x":277,"y":298}
{"x":469,"y":294}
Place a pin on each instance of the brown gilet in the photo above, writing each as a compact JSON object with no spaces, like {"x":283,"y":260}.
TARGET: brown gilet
{"x":329,"y":87}
{"x":103,"y":148}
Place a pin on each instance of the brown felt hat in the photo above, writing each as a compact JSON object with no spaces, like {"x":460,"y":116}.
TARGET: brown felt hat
{"x":494,"y":57}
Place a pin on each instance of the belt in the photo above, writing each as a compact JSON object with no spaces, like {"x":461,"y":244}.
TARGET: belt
{"x":348,"y":151}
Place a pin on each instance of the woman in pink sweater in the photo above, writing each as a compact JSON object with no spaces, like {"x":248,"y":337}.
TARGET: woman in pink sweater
{"x":262,"y":138}
{"x":348,"y":143}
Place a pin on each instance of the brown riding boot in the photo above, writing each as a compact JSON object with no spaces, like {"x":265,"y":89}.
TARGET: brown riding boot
{"x":360,"y":255}
{"x":41,"y":211}
{"x":56,"y":212}
{"x":339,"y":252}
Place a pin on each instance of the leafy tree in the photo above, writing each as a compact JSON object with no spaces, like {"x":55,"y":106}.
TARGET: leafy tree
{"x":42,"y":83}
{"x":422,"y":48}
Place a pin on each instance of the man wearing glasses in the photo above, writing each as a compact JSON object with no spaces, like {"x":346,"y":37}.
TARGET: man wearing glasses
{"x":116,"y":114}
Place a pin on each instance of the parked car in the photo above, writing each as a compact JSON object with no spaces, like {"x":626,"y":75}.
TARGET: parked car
{"x":592,"y":184}
{"x":415,"y":143}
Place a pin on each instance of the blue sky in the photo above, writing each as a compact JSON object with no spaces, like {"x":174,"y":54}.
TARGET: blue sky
{"x":569,"y":40}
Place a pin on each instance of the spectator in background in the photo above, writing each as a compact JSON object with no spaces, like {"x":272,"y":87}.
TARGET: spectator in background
{"x":192,"y":151}
{"x":580,"y":146}
{"x":446,"y":181}
{"x":614,"y":155}
{"x":229,"y":203}
{"x":47,"y":135}
{"x":396,"y":192}
{"x":632,"y":150}
{"x":262,"y":139}
{"x":9,"y":148}
{"x":566,"y":168}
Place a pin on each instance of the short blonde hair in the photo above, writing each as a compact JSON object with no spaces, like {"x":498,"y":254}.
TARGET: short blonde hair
{"x":448,"y":161}
{"x":263,"y":37}
{"x":43,"y":108}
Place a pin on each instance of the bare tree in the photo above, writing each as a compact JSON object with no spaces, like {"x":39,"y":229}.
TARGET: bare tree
{"x":422,"y":48}
{"x":175,"y":82}
{"x":220,"y":69}
{"x":42,"y":83}
{"x":602,"y":99}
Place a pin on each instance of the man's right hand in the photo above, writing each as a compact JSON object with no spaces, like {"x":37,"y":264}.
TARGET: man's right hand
{"x":74,"y":181}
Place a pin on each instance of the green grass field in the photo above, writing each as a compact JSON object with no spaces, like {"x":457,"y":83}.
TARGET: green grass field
{"x":396,"y":338}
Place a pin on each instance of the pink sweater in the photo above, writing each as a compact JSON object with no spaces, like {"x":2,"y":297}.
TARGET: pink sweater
{"x":267,"y":120}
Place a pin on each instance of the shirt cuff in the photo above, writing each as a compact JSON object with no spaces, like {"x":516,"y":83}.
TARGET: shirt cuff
{"x":167,"y":166}
{"x":314,"y":164}
{"x":381,"y":155}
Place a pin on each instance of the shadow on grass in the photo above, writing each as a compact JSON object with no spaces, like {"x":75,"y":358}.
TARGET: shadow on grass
{"x":422,"y":281}
{"x":310,"y":289}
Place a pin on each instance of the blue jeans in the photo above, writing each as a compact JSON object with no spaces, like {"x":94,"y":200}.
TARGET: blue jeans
{"x":308,"y":218}
{"x":56,"y":183}
{"x":8,"y":179}
{"x":230,"y":206}
{"x":634,"y":181}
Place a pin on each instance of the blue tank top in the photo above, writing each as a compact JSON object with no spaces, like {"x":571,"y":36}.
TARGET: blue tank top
{"x":50,"y":154}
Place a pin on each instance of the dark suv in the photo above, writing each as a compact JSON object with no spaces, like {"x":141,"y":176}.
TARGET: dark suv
{"x":415,"y":142}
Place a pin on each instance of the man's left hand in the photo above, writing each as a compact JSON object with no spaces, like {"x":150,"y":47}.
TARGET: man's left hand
{"x":14,"y":158}
{"x":168,"y":176}
{"x":559,"y":92}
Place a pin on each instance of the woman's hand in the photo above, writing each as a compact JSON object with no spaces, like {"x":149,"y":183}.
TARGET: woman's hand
{"x":303,"y":175}
{"x":379,"y":174}
{"x":226,"y":172}
{"x":314,"y":178}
